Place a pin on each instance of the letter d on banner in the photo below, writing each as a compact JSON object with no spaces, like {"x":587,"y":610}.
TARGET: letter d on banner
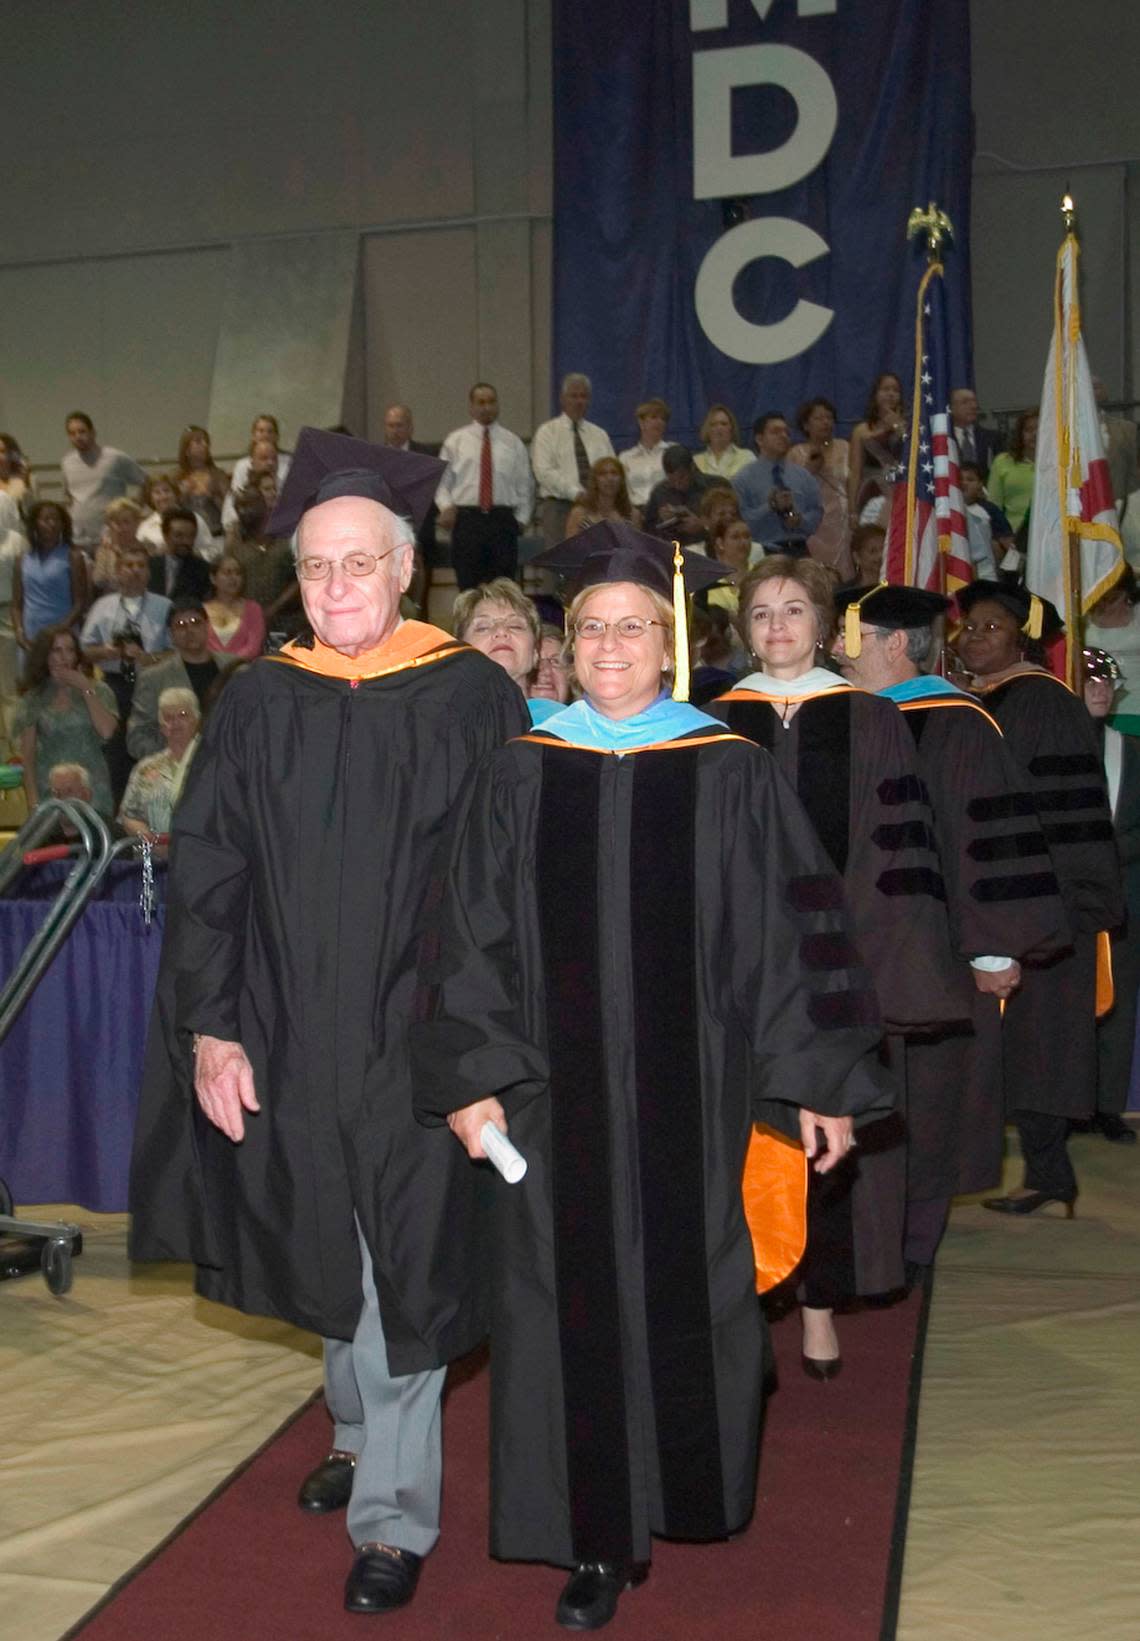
{"x":718,"y":314}
{"x":718,"y":173}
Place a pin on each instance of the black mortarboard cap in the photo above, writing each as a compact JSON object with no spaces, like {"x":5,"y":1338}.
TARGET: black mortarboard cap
{"x":618,"y":552}
{"x":326,"y":465}
{"x":1035,"y":615}
{"x":893,"y":606}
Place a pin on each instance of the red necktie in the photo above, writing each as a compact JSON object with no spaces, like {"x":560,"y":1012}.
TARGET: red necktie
{"x":486,"y":483}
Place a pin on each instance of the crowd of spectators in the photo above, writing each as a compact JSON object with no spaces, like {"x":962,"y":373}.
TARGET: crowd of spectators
{"x":168,"y":578}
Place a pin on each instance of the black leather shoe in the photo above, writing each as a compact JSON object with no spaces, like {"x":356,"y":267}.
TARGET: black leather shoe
{"x":382,"y":1578}
{"x":590,"y":1598}
{"x":1113,"y":1127}
{"x":822,"y":1367}
{"x":329,"y":1486}
{"x":1028,"y":1204}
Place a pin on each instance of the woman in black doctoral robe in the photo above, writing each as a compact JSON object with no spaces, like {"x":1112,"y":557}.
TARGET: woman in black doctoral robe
{"x":852,"y":762}
{"x":641,"y":951}
{"x":1049,"y":1029}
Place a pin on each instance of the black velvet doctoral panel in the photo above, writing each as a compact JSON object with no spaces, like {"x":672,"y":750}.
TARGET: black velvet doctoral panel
{"x":300,"y":861}
{"x":1049,"y":1029}
{"x":663,"y":939}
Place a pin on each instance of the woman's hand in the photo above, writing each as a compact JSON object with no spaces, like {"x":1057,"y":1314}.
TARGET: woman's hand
{"x":467,"y":1124}
{"x":76,"y":679}
{"x":838,"y":1139}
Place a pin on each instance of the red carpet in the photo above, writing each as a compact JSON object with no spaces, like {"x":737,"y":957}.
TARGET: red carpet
{"x":813,"y":1566}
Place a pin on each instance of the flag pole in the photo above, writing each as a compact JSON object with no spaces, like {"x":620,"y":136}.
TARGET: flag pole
{"x":1074,"y":614}
{"x":933,"y":226}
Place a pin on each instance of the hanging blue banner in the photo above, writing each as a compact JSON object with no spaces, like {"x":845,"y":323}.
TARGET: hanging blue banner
{"x":732,"y":185}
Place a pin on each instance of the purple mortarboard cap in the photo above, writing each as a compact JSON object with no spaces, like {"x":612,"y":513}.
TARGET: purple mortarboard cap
{"x":618,"y":552}
{"x":326,"y":465}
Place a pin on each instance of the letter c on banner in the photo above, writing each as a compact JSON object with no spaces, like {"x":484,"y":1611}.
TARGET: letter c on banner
{"x":719,"y":318}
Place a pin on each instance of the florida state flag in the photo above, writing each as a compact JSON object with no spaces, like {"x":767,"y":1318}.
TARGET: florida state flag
{"x":1075,"y":552}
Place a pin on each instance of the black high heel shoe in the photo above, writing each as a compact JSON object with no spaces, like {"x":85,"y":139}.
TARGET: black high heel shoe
{"x":1028,"y":1204}
{"x":821,"y":1367}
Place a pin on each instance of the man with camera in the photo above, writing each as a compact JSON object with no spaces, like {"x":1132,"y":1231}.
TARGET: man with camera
{"x":781,"y":502}
{"x":126,"y":631}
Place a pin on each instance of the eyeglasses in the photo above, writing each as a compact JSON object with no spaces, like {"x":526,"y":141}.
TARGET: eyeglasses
{"x":181,"y":621}
{"x":630,"y":626}
{"x":486,"y":625}
{"x":355,"y":564}
{"x":982,"y":626}
{"x":558,"y":662}
{"x":173,"y":717}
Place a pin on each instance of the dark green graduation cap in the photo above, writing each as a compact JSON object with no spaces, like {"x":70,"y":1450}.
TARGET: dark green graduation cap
{"x":1036,"y":616}
{"x":891,"y":606}
{"x":327,"y":465}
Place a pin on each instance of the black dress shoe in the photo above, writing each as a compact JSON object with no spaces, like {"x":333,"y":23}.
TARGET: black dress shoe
{"x":822,"y":1367}
{"x":382,"y":1578}
{"x":590,"y":1598}
{"x":1113,"y":1127}
{"x":1028,"y":1204}
{"x":329,"y":1486}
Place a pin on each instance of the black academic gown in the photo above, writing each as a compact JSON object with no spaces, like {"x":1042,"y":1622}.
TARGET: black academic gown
{"x":299,"y":866}
{"x":1049,"y":1032}
{"x":1003,"y":901}
{"x":853,"y":766}
{"x":639,"y":955}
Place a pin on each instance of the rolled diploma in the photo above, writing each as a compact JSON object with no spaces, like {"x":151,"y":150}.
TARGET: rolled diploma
{"x":509,"y":1161}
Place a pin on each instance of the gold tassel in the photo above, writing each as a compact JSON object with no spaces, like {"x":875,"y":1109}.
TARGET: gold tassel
{"x":680,"y":627}
{"x":852,"y":633}
{"x":1036,"y":617}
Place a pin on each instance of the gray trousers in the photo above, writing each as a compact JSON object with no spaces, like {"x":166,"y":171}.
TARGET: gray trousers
{"x":392,"y":1424}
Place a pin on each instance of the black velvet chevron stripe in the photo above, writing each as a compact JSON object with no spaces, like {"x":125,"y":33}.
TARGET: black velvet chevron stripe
{"x":1090,"y":831}
{"x":1002,"y":806}
{"x":589,"y":1319}
{"x":823,"y":771}
{"x":994,"y":890}
{"x":912,"y":834}
{"x":1065,"y":763}
{"x":671,"y":1143}
{"x":1014,"y":846}
{"x":903,"y":789}
{"x":1072,"y":797}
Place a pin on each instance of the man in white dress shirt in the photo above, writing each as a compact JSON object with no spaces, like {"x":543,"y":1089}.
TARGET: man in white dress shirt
{"x":563,"y":451}
{"x":642,"y":464}
{"x":486,"y":495}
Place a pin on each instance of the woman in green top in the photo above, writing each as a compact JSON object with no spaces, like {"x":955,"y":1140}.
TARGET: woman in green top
{"x":1010,"y":484}
{"x":63,"y":718}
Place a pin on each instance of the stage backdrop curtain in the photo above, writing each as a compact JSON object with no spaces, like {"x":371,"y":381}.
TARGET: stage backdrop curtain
{"x":71,"y":1065}
{"x":630,"y":237}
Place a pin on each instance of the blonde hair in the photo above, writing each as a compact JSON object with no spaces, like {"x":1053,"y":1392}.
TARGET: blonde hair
{"x":123,"y":507}
{"x":500,"y":591}
{"x":662,"y":612}
{"x":806,"y":573}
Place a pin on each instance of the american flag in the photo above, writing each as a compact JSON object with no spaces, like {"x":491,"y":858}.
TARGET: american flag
{"x":927,"y":540}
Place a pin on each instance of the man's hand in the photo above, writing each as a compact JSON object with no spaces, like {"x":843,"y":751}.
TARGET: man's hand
{"x":447,"y":517}
{"x":467,"y":1124}
{"x":998,"y":982}
{"x":838,"y":1137}
{"x":223,"y":1082}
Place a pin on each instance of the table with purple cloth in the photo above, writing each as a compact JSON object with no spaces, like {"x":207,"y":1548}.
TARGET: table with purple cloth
{"x":71,"y":1065}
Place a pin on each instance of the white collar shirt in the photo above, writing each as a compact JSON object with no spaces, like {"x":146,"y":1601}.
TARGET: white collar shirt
{"x":512,"y":485}
{"x":643,"y":470}
{"x":554,"y":460}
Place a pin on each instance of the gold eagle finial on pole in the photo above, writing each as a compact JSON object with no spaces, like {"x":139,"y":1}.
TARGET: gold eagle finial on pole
{"x":933,"y":225}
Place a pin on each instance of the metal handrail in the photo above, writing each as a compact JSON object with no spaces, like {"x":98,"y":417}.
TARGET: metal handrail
{"x":96,"y":852}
